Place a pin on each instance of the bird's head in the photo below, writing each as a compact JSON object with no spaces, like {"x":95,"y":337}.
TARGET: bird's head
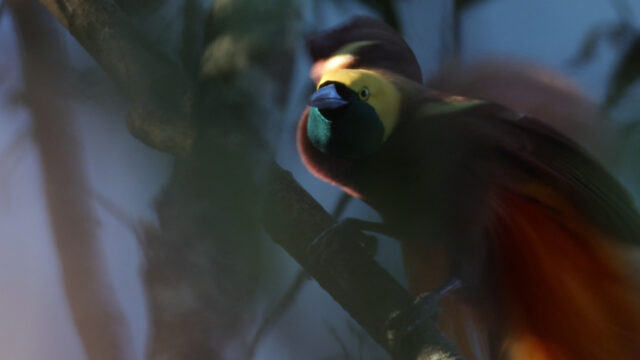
{"x":352,"y":112}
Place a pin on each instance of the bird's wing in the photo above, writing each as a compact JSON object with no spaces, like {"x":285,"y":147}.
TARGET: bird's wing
{"x":565,"y":286}
{"x":563,"y":282}
{"x":543,"y":156}
{"x":589,"y":186}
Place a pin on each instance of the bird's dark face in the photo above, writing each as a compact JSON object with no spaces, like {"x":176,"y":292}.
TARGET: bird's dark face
{"x":352,"y":113}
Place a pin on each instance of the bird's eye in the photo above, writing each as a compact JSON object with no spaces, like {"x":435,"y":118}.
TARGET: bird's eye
{"x":364,"y":94}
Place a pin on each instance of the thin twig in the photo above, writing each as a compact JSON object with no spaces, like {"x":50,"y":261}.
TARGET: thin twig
{"x":292,"y":292}
{"x":341,"y":205}
{"x":278,"y":311}
{"x":336,"y":336}
{"x":114,"y":210}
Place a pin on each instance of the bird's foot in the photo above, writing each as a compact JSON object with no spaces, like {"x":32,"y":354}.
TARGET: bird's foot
{"x":413,"y":332}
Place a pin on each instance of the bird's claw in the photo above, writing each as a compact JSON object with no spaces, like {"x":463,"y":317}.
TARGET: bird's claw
{"x":412,"y":327}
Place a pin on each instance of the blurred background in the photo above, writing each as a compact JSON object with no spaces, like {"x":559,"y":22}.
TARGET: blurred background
{"x":590,"y":50}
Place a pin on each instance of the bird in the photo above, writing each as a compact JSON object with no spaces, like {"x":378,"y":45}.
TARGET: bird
{"x":532,"y":225}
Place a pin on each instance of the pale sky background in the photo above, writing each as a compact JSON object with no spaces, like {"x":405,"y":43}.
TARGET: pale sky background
{"x":34,"y":317}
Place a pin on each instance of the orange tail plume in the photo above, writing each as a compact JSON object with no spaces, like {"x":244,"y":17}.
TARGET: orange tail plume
{"x":565,"y":288}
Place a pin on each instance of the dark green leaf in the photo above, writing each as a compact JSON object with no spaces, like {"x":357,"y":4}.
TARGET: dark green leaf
{"x":462,"y":5}
{"x":138,"y":7}
{"x":615,"y":33}
{"x":626,"y":73}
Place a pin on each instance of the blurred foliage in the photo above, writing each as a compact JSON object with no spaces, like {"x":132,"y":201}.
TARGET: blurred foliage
{"x":627,"y":70}
{"x":625,"y":37}
{"x":137,"y":7}
{"x":626,"y":73}
{"x":462,"y":5}
{"x":386,"y":9}
{"x":617,"y":34}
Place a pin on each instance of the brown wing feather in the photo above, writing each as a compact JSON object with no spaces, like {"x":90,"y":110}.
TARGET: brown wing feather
{"x":514,"y":141}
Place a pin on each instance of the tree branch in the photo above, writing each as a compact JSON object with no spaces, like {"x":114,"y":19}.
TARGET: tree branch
{"x":160,"y":90}
{"x":291,"y":216}
{"x":352,"y":277}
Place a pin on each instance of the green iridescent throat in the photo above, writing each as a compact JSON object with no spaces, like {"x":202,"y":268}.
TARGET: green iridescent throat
{"x":352,"y":131}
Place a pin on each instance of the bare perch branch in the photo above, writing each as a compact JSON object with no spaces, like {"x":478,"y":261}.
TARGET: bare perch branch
{"x":278,"y":311}
{"x":349,"y":274}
